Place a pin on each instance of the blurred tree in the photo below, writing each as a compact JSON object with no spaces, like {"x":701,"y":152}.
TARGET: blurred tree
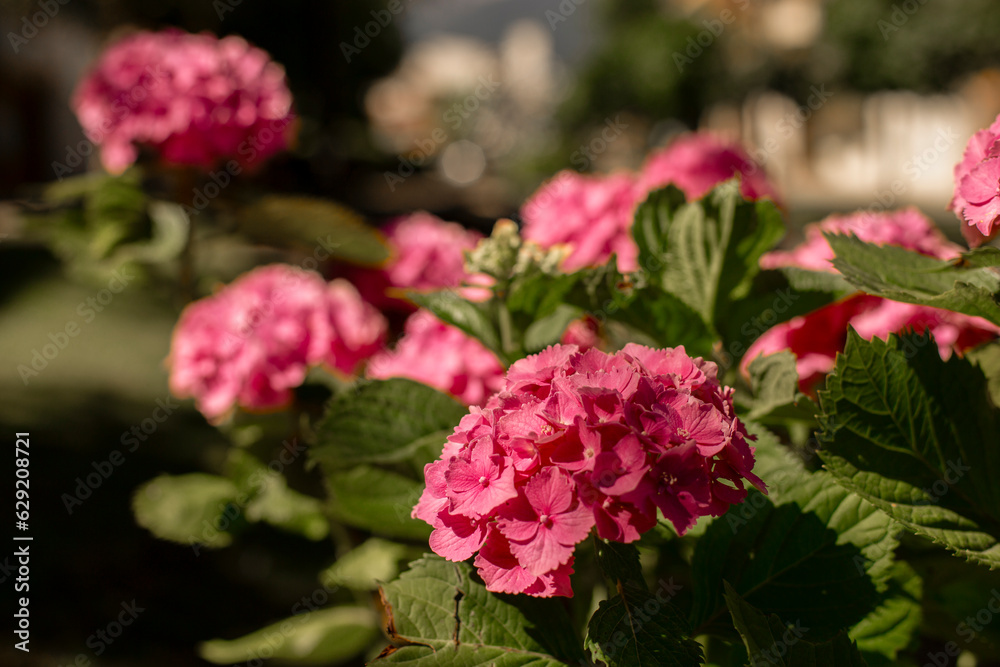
{"x":918,"y":45}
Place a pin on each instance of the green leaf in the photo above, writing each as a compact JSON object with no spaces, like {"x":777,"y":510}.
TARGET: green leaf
{"x":186,"y":508}
{"x":651,"y":227}
{"x":987,"y":357}
{"x":706,"y":251}
{"x":366,"y":566}
{"x":817,"y":281}
{"x":985,"y":256}
{"x":662,"y":317}
{"x":637,"y":627}
{"x":327,"y":636}
{"x":377,"y":500}
{"x":270,"y":499}
{"x":444,"y":616}
{"x":893,"y":625}
{"x":384,"y":421}
{"x":916,"y":436}
{"x":772,"y":643}
{"x":903,"y":275}
{"x":538,"y":294}
{"x":472,"y":318}
{"x":320,"y":224}
{"x":775,"y":383}
{"x":667,"y":320}
{"x":549,"y":329}
{"x":770,"y":301}
{"x":620,"y":563}
{"x":818,"y":553}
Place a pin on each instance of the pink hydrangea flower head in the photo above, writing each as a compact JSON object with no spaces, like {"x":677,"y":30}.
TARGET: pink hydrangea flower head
{"x":976,"y":200}
{"x":590,"y":215}
{"x":196,"y":99}
{"x":906,"y":228}
{"x":817,"y":337}
{"x":698,"y":162}
{"x":443,"y":357}
{"x":253,"y":341}
{"x":578,"y":441}
{"x":426,"y":253}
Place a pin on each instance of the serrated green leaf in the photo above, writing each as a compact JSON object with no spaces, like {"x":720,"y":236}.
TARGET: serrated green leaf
{"x":365,"y":566}
{"x":447,"y":617}
{"x":903,"y":275}
{"x":917,"y":436}
{"x":987,"y":357}
{"x":377,"y":500}
{"x":893,"y":625}
{"x":268,"y":498}
{"x":327,"y":636}
{"x":773,"y":643}
{"x":185,"y":508}
{"x":820,"y":554}
{"x":318,"y":223}
{"x":706,"y":251}
{"x":817,"y":281}
{"x":473,"y":318}
{"x":775,"y":383}
{"x":636,"y":627}
{"x":383,"y":421}
{"x":548,"y":330}
{"x":620,"y":563}
{"x":651,"y":227}
{"x":538,"y":294}
{"x":663,"y":318}
{"x":982,"y":257}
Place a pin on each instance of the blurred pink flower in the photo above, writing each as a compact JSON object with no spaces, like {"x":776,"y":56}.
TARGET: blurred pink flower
{"x":817,"y":337}
{"x":254,"y":340}
{"x":426,"y":254}
{"x":698,"y":162}
{"x":907,"y":228}
{"x":443,"y":357}
{"x":591,"y":215}
{"x":197,"y":99}
{"x":585,"y":333}
{"x":976,"y":200}
{"x":814,"y":339}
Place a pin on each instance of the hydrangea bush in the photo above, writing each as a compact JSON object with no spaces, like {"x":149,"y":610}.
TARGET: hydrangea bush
{"x":636,"y":428}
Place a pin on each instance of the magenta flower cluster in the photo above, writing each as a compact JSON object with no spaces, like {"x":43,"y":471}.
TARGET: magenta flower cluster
{"x":577,"y":441}
{"x":196,"y":99}
{"x":254,"y":341}
{"x":426,"y":254}
{"x":817,"y":337}
{"x":441,"y":356}
{"x":592,"y":215}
